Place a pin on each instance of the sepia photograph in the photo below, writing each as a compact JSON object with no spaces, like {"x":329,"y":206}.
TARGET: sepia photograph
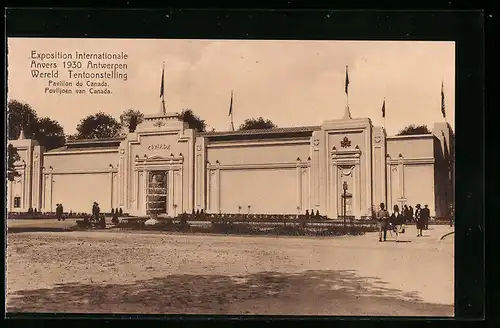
{"x":230,"y":177}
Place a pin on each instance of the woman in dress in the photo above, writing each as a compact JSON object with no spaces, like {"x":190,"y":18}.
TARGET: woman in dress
{"x":420,"y":221}
{"x":397,"y":221}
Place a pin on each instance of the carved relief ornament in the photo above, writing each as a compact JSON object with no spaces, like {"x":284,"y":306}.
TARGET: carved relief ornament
{"x":159,"y":124}
{"x":346,"y":171}
{"x":345,"y":143}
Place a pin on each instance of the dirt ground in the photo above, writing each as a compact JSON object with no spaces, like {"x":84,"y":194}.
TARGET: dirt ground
{"x":149,"y":272}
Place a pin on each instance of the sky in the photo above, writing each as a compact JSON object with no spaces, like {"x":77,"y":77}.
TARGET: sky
{"x":292,"y":83}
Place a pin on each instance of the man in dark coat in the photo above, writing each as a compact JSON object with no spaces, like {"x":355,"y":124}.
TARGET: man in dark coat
{"x":57,"y":213}
{"x":383,"y":221}
{"x":425,"y":214}
{"x":61,"y":212}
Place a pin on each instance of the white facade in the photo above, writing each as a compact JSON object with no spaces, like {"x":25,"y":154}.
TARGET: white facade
{"x":284,"y":170}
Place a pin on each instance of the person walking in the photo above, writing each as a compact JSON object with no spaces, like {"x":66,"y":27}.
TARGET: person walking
{"x":383,"y":220}
{"x":411,"y":218}
{"x":397,"y":221}
{"x":425,"y":214}
{"x":58,"y":215}
{"x":406,"y":218}
{"x":419,"y":220}
{"x":61,"y":212}
{"x":115,"y":219}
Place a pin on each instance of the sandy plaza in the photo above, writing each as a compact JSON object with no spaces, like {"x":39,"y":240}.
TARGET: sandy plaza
{"x":130,"y":272}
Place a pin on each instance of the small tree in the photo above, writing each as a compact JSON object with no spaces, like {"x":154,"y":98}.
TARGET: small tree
{"x":12,"y":158}
{"x":131,"y":118}
{"x":98,"y":126}
{"x":192,"y":120}
{"x":20,"y":116}
{"x":256,"y":124}
{"x":414,"y":129}
{"x":47,"y":132}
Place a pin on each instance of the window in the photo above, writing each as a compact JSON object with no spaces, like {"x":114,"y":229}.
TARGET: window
{"x":17,"y":202}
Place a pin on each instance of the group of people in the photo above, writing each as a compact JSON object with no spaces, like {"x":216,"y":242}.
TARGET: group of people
{"x":398,"y":219}
{"x":96,"y":211}
{"x":60,"y":212}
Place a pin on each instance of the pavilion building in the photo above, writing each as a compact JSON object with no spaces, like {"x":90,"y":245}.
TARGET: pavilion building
{"x":281,"y":170}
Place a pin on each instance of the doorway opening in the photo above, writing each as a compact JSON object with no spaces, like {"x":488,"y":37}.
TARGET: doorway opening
{"x":157,"y":193}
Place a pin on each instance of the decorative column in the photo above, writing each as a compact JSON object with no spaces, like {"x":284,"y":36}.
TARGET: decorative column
{"x":181,"y":188}
{"x":144,"y":196}
{"x":334,"y":183}
{"x":23,"y":183}
{"x":137,"y":187}
{"x":401,"y":176}
{"x":35,"y":186}
{"x":171,"y":198}
{"x":209,"y":187}
{"x":51,"y":184}
{"x":218,"y":189}
{"x":315,"y":186}
{"x":43,"y":206}
{"x":299,"y":184}
{"x":120,"y":183}
{"x":199,"y":174}
{"x":357,"y":172}
{"x":389,"y":182}
{"x":110,"y":176}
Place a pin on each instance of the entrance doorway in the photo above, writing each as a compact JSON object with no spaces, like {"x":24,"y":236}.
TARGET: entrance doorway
{"x":156,"y":198}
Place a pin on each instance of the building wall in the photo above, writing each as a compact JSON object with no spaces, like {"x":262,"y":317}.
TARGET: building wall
{"x":266,"y":191}
{"x":411,"y":163}
{"x":226,"y":175}
{"x":267,"y":175}
{"x":77,"y":192}
{"x":418,"y":146}
{"x":78,"y":178}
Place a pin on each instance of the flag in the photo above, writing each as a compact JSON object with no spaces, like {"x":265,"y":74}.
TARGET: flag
{"x":383,"y":109}
{"x":231,"y":104}
{"x":162,"y":83}
{"x":442,"y":101}
{"x":346,"y":81}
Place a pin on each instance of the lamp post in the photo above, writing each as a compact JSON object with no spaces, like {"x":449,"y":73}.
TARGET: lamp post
{"x":344,"y":187}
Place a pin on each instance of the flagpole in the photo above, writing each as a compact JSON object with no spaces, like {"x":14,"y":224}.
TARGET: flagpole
{"x":443,"y":104}
{"x":347,"y":114}
{"x":231,"y":125}
{"x":347,"y":86}
{"x":163,"y":93}
{"x":385,"y":130}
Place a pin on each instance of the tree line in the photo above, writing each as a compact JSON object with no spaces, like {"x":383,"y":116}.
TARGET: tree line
{"x":50,"y":134}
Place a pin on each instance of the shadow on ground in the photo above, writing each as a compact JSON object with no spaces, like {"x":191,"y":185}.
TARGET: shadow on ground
{"x":268,"y":293}
{"x":36,"y":229}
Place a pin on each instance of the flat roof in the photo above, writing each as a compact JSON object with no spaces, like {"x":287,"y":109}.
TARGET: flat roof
{"x":262,"y":131}
{"x":412,"y":136}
